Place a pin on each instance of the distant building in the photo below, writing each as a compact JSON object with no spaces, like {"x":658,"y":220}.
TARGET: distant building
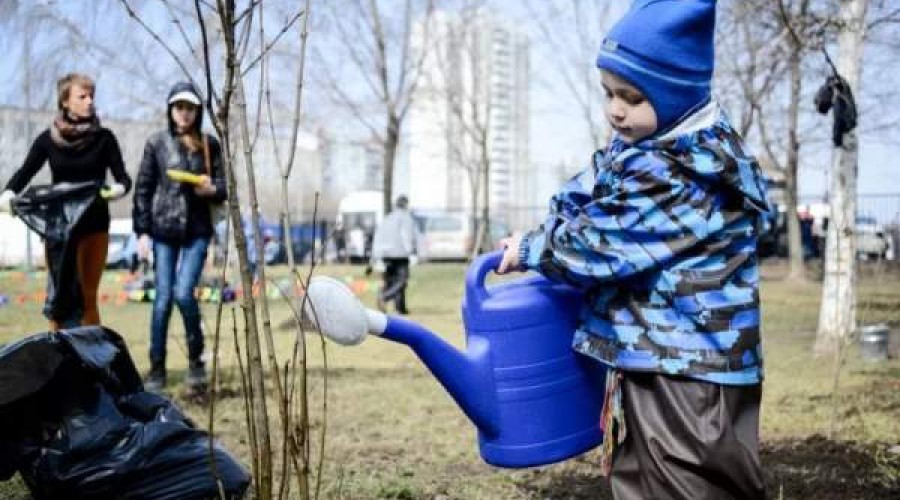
{"x":488,"y":71}
{"x":270,"y":155}
{"x":350,"y":165}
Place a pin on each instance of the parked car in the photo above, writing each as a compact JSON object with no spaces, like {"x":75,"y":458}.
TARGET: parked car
{"x":359,"y":213}
{"x":451,"y":236}
{"x":872,"y":242}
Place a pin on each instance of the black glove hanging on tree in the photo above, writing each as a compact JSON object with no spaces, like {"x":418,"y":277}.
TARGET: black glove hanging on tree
{"x":835,"y":93}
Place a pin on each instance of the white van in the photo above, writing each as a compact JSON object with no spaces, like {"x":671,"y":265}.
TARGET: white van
{"x":359,"y":213}
{"x":451,"y":235}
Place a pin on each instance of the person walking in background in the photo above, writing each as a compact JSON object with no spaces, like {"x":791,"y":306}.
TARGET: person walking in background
{"x":661,"y":233}
{"x":339,"y":237}
{"x":394,"y":247}
{"x":176,"y":215}
{"x":78,"y":149}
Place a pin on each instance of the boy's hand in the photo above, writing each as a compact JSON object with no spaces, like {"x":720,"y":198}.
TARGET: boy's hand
{"x":510,"y":261}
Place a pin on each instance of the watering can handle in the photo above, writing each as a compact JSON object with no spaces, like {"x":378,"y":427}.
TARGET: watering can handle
{"x":479,"y":270}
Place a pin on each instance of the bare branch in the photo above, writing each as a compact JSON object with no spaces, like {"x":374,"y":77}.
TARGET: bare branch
{"x":158,"y":39}
{"x":268,"y":47}
{"x":184,"y":36}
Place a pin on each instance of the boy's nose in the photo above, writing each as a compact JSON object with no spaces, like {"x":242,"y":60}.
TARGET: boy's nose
{"x":616,"y":111}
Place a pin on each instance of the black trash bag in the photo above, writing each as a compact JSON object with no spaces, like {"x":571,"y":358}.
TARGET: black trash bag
{"x":76,"y":424}
{"x":53,"y":211}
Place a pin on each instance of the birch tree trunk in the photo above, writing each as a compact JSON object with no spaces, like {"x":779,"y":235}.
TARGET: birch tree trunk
{"x":795,"y":246}
{"x":837,"y":315}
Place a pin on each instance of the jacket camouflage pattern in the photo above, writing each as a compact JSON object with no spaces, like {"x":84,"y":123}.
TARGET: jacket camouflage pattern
{"x":662,"y":236}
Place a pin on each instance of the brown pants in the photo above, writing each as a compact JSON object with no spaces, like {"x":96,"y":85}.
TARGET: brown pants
{"x":90,"y":256}
{"x":688,"y":439}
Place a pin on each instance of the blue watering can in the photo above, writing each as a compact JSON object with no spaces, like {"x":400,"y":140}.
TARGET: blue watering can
{"x":533,"y":399}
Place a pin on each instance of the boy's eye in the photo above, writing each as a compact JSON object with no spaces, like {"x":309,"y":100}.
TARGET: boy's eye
{"x":633,"y":99}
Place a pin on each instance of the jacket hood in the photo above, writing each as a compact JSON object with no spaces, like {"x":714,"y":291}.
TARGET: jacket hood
{"x":184,"y":91}
{"x":707,"y":144}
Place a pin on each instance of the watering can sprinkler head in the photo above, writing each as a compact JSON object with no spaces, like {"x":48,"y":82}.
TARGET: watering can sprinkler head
{"x":339,"y":314}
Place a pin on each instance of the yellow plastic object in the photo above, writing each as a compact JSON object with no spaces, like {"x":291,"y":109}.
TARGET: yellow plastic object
{"x":183,"y":176}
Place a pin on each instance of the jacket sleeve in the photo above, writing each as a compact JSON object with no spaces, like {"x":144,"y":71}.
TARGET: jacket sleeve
{"x":410,"y":234}
{"x":145,"y":187}
{"x":640,"y":222}
{"x":378,"y":243}
{"x":116,"y":164}
{"x":217,"y":165}
{"x":34,"y":160}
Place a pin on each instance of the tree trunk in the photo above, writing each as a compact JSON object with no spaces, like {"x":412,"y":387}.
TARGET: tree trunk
{"x":255,"y":370}
{"x":484,"y":233}
{"x":837,"y":315}
{"x":392,"y":139}
{"x":475,"y":176}
{"x":26,"y":61}
{"x":795,"y":247}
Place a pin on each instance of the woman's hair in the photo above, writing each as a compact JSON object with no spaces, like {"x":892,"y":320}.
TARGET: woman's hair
{"x":64,"y":86}
{"x":192,"y":140}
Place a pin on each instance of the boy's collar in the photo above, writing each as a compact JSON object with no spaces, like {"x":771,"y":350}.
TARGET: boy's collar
{"x":705,"y":117}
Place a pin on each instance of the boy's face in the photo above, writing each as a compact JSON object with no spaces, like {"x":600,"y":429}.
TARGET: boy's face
{"x":627,"y":110}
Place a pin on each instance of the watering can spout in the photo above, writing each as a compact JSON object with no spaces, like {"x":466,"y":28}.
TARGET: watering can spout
{"x":467,"y":376}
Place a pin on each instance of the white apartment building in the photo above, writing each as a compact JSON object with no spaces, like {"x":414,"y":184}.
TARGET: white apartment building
{"x":350,"y":165}
{"x":473,"y":90}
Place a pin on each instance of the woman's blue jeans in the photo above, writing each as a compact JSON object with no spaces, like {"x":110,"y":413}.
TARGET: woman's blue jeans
{"x":177,"y":268}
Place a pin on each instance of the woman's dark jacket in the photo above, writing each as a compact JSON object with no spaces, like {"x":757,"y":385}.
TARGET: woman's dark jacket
{"x":169,"y":210}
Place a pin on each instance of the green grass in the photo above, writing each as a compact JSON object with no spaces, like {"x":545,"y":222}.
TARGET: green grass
{"x":393,"y":433}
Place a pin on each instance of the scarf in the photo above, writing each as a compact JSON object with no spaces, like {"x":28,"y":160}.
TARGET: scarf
{"x":73,"y":133}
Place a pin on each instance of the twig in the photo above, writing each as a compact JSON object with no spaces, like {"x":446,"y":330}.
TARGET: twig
{"x":271,"y":44}
{"x":247,"y":392}
{"x":215,"y":370}
{"x":158,"y":39}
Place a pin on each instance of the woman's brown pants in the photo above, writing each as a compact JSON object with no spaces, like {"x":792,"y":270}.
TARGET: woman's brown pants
{"x":90,"y":255}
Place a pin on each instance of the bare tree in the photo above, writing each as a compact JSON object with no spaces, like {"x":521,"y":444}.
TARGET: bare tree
{"x":764,"y":49}
{"x":462,"y":85}
{"x":227,"y":104}
{"x":837,"y":318}
{"x":378,"y":47}
{"x":750,"y":59}
{"x":795,"y":51}
{"x":571,"y":32}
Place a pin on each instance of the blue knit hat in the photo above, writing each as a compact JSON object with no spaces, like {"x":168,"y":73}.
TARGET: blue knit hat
{"x":665,"y":49}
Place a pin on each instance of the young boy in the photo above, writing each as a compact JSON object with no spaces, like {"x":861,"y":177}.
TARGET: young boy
{"x":661,"y":232}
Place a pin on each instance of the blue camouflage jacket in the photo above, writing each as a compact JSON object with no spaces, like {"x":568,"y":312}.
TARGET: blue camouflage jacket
{"x":662,"y":237}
